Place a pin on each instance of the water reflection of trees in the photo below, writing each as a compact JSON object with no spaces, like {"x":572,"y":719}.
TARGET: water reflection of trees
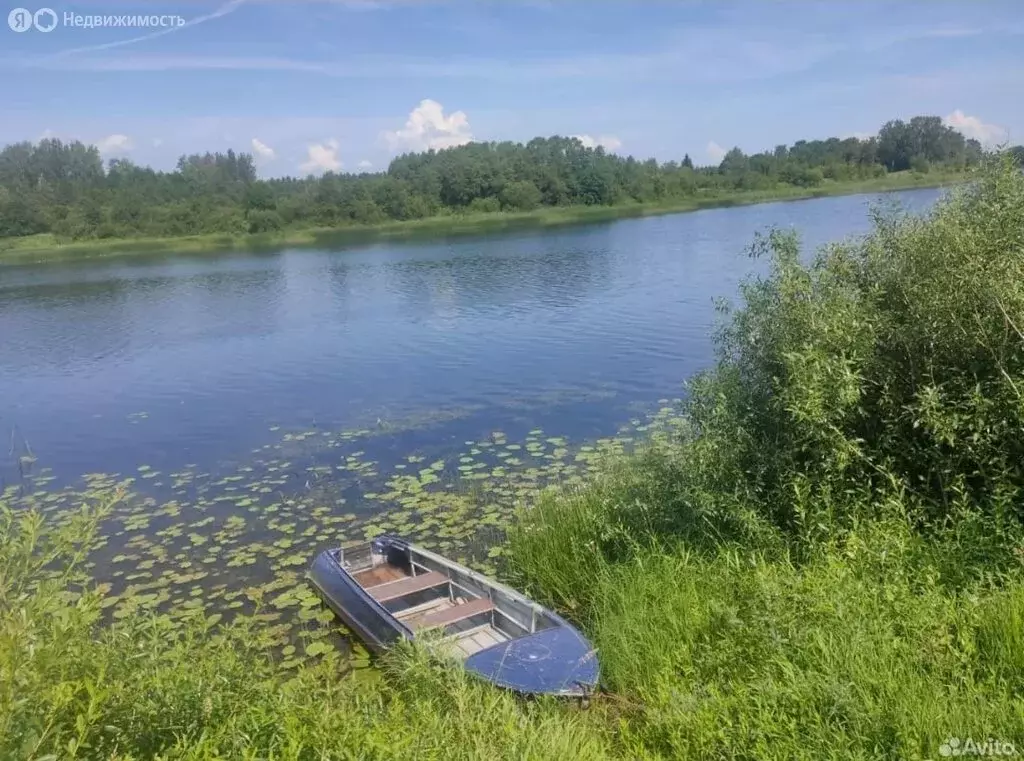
{"x":504,"y":275}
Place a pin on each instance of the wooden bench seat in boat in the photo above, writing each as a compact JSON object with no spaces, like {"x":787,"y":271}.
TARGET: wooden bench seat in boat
{"x":388,"y":591}
{"x":453,"y":614}
{"x":392,"y":590}
{"x":381,"y":574}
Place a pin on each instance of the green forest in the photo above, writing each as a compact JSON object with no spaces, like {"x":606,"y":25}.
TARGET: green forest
{"x":65,"y":190}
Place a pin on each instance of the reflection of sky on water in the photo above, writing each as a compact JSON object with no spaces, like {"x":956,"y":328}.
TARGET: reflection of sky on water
{"x":215,"y":349}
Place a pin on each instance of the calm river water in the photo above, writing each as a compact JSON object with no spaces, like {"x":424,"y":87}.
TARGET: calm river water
{"x":106,"y":366}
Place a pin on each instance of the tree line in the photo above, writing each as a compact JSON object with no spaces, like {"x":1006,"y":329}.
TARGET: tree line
{"x":65,"y":188}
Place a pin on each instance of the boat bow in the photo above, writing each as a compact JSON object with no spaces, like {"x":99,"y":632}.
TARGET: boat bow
{"x":556,"y":661}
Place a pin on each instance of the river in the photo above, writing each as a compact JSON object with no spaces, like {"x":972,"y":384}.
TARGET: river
{"x":166,"y":361}
{"x":310,"y":389}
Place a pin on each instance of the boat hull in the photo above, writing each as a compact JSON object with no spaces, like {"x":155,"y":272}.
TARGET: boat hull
{"x":363,"y":615}
{"x":553,"y":660}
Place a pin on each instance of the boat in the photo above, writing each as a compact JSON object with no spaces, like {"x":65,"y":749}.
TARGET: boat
{"x":388,"y":590}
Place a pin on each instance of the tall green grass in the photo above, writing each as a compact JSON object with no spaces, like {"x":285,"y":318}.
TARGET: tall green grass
{"x":860,"y":651}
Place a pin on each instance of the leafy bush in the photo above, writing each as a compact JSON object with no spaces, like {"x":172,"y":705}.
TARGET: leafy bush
{"x":366,"y":212}
{"x":263,"y":221}
{"x":886,"y":374}
{"x":484,"y":205}
{"x":521,"y":195}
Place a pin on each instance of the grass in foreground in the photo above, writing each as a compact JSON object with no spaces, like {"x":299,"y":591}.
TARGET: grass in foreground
{"x":861,"y":653}
{"x":742,"y":652}
{"x":827,"y":562}
{"x":47,"y":247}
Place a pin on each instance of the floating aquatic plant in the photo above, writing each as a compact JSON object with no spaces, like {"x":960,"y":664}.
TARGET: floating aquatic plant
{"x":236,"y":540}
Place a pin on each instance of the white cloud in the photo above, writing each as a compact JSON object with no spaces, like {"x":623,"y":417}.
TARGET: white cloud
{"x":322,"y":157}
{"x":364,"y":164}
{"x":157,"y":142}
{"x":114,"y":144}
{"x":973,"y":127}
{"x":262,"y":150}
{"x":608,"y":142}
{"x":428,"y":127}
{"x":716,"y":152}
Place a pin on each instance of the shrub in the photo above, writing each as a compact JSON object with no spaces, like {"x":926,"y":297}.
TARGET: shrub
{"x":888,"y":372}
{"x":484,"y":205}
{"x":522,"y":195}
{"x":366,"y":212}
{"x":263,"y":221}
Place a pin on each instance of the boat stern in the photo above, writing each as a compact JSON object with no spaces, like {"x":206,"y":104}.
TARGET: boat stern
{"x":359,"y":611}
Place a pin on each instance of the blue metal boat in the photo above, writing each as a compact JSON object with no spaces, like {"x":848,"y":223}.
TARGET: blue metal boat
{"x":388,"y":590}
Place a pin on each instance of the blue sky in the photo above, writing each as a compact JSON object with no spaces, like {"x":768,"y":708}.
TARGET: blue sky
{"x":348,"y":84}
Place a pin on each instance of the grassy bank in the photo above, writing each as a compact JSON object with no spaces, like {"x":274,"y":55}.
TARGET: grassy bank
{"x":49,"y":248}
{"x":828,"y":560}
{"x":863,"y":650}
{"x":825,"y":560}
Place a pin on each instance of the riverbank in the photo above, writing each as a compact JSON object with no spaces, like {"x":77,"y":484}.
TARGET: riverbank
{"x":822,"y":561}
{"x":46,"y":248}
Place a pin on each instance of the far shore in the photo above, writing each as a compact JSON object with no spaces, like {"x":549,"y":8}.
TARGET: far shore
{"x":47,"y":248}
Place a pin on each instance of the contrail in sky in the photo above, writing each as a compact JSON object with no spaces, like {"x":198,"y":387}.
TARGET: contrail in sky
{"x":224,"y":10}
